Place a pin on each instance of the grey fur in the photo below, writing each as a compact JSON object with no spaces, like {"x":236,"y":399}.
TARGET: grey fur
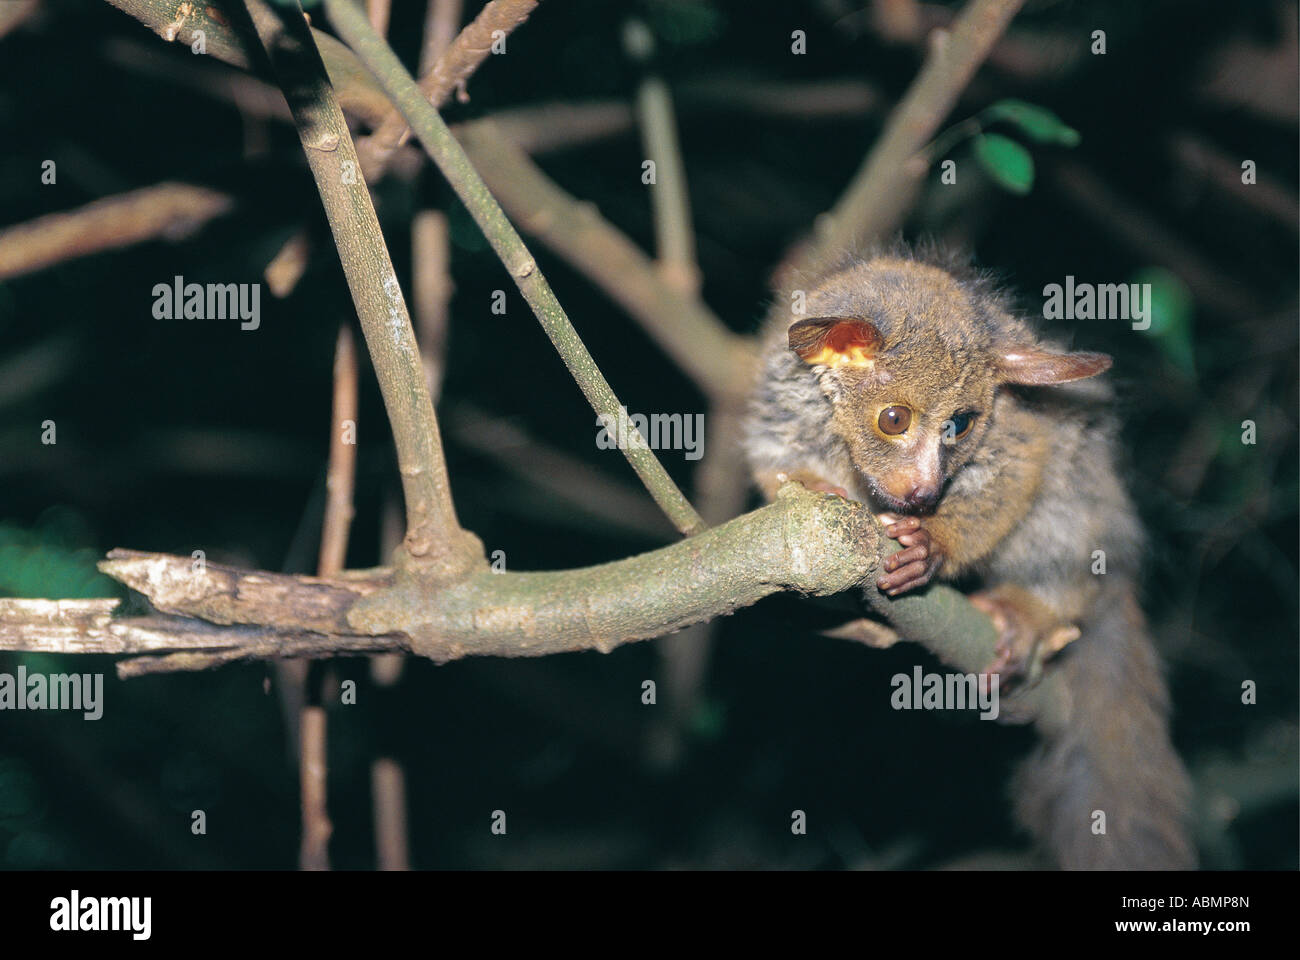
{"x":1114,"y":753}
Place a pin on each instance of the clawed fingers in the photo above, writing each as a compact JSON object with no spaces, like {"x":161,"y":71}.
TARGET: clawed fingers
{"x":902,"y":526}
{"x":910,"y":555}
{"x":905,"y":578}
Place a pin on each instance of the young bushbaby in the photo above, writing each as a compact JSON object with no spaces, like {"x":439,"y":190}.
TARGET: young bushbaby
{"x":907,"y":383}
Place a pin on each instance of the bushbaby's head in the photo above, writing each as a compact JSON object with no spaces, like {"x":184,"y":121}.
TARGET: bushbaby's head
{"x":911,"y":359}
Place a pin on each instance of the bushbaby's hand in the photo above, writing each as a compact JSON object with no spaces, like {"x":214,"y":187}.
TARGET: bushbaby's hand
{"x":916,"y":564}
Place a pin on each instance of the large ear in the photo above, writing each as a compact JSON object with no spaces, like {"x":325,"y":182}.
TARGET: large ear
{"x":1034,"y":367}
{"x":835,"y":341}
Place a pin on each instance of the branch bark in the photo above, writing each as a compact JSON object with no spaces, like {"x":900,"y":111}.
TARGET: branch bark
{"x":811,"y":543}
{"x":434,"y":537}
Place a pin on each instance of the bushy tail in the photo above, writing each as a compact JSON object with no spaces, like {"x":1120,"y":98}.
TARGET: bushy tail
{"x":1111,"y":753}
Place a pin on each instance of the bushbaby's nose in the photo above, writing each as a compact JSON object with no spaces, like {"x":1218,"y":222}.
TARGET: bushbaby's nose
{"x":923,"y":496}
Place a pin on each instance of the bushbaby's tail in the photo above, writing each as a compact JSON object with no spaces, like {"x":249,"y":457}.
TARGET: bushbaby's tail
{"x":1109,"y":754}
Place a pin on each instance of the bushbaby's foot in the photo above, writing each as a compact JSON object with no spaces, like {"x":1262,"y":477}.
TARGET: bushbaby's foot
{"x":770,"y":481}
{"x":916,"y":564}
{"x":822,"y":486}
{"x":1029,"y":634}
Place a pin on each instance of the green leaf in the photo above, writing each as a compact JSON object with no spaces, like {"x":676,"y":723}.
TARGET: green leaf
{"x":37,"y":563}
{"x":1170,"y":303}
{"x":1037,"y":123}
{"x":1006,"y":161}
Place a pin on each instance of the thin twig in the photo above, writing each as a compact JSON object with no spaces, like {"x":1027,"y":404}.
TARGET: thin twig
{"x":379,"y":11}
{"x":169,"y":211}
{"x":718,"y":361}
{"x":388,"y":787}
{"x":1026,"y":55}
{"x":1202,"y":160}
{"x":884,"y":187}
{"x":313,"y":775}
{"x":340,"y":477}
{"x":441,"y":23}
{"x":431,"y":292}
{"x":448,"y":75}
{"x":674,"y":235}
{"x":286,"y":268}
{"x":13,"y":13}
{"x":456,"y":167}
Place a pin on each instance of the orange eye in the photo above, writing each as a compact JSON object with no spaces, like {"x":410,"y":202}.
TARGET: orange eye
{"x":895,"y":420}
{"x":960,"y":424}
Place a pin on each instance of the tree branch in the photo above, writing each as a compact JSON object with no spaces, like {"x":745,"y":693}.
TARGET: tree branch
{"x":351,"y":23}
{"x":177,"y":22}
{"x":670,"y":197}
{"x":808,"y":542}
{"x":448,"y":75}
{"x":434,"y":536}
{"x":884,"y":187}
{"x":340,"y":478}
{"x":167,"y":210}
{"x":719,"y":362}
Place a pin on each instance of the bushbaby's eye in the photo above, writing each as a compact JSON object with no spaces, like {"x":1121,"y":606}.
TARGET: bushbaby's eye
{"x":958,"y":425}
{"x":895,"y":420}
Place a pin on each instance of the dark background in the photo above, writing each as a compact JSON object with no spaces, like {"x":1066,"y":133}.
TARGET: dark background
{"x":182,"y":435}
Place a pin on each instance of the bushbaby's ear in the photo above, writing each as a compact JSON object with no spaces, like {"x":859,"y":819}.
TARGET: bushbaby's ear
{"x":1034,"y":367}
{"x":835,"y":342}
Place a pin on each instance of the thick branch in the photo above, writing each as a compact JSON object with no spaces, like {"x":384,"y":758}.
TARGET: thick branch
{"x":807,"y":542}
